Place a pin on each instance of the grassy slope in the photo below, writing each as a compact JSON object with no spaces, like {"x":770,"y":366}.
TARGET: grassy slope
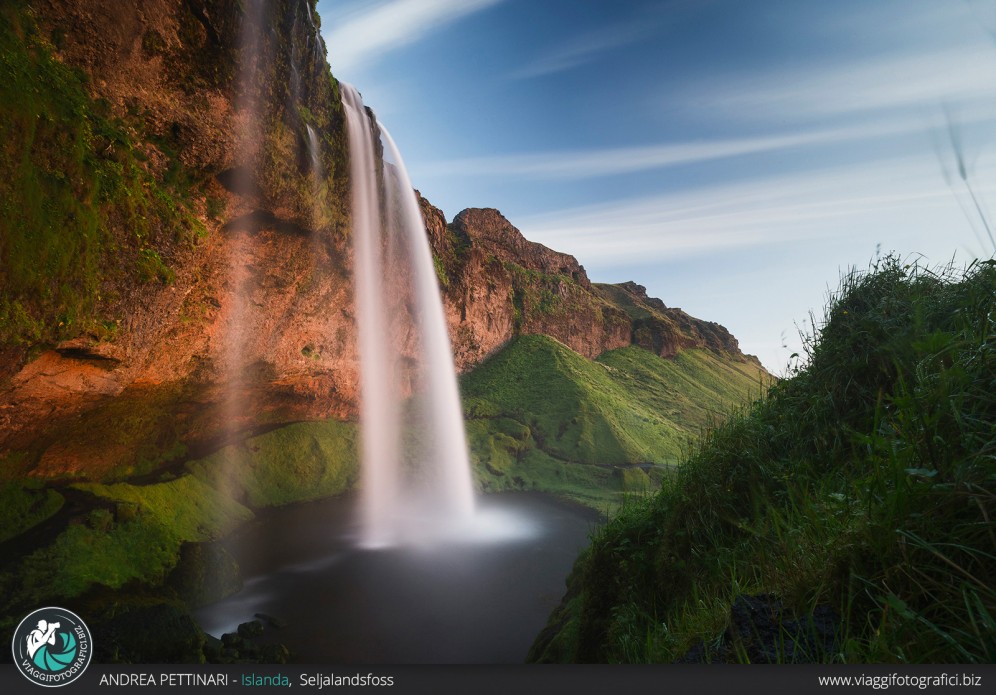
{"x":866,"y":482}
{"x":542,"y":417}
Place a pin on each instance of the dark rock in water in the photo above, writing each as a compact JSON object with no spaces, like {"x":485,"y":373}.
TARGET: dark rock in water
{"x":253,"y":628}
{"x":274,"y":654}
{"x":271,"y":621}
{"x":206,"y":572}
{"x":243,"y":647}
{"x":760,"y":632}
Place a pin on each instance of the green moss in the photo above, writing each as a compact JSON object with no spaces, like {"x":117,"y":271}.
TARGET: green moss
{"x":24,"y":504}
{"x":444,"y":279}
{"x":82,"y":556}
{"x":151,"y":267}
{"x":303,"y":461}
{"x":141,"y":539}
{"x":186,"y":506}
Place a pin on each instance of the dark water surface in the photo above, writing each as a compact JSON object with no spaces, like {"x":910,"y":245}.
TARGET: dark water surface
{"x":482,"y":599}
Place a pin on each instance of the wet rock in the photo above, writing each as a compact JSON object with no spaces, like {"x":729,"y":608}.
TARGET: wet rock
{"x":271,"y":621}
{"x":248,"y":630}
{"x":245,"y":646}
{"x":205,"y":572}
{"x":274,"y":654}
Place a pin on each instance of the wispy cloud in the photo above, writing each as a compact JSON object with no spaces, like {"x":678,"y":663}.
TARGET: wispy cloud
{"x":892,"y":197}
{"x":582,"y":164}
{"x":924,"y":79}
{"x":373,"y":29}
{"x":582,"y":49}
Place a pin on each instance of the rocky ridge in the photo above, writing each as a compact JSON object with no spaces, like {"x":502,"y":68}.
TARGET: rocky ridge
{"x":497,"y":284}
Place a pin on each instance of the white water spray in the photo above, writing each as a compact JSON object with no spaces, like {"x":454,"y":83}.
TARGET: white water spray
{"x":416,"y":473}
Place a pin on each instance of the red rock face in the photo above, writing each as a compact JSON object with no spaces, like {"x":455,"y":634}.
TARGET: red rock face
{"x":295,"y":346}
{"x":498,"y":285}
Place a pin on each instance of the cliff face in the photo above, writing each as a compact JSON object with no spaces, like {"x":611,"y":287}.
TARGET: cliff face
{"x":194,"y":241}
{"x":498,"y":285}
{"x":207,"y":178}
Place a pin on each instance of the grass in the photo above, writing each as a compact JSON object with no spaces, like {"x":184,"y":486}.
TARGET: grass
{"x":540,"y":416}
{"x":865,"y":482}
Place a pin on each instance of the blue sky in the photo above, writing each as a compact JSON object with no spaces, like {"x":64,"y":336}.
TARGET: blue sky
{"x":734,"y":156}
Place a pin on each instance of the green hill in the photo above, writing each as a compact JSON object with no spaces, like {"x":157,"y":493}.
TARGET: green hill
{"x":847,"y":517}
{"x":540,"y":416}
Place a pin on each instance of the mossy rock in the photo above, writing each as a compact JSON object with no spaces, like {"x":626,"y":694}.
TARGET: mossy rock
{"x":205,"y":572}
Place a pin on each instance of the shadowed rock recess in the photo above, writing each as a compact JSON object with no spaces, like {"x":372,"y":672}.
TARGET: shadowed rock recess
{"x":132,"y":180}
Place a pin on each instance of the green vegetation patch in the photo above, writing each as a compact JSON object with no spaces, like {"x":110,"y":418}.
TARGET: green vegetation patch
{"x":629,"y":406}
{"x":303,"y":461}
{"x":23,"y":504}
{"x":139,"y":540}
{"x":83,"y":556}
{"x":542,"y":417}
{"x":186,"y":506}
{"x":862,"y":487}
{"x":506,"y":458}
{"x":624,"y":300}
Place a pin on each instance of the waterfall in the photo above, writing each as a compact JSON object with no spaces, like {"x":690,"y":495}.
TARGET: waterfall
{"x":315,"y":156}
{"x":416,"y":473}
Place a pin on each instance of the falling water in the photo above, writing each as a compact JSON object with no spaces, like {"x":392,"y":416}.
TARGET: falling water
{"x":403,"y":500}
{"x":378,"y":407}
{"x":448,"y":444}
{"x":237,"y":306}
{"x":313,"y":154}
